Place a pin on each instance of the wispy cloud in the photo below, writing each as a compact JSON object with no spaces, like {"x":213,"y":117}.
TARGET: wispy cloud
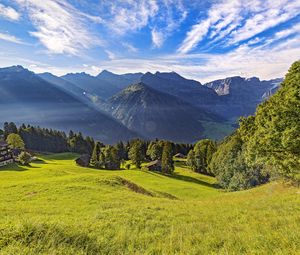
{"x":128,"y":15}
{"x":219,"y":16}
{"x":130,"y":47}
{"x":10,"y":38}
{"x":59,"y":26}
{"x":9,"y":13}
{"x":232,"y":22}
{"x":162,"y":17}
{"x":157,"y":38}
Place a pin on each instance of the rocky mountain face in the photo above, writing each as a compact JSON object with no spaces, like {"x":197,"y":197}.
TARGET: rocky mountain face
{"x":159,"y":115}
{"x":27,"y":98}
{"x":240,"y":96}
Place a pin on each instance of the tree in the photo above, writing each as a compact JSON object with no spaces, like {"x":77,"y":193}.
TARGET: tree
{"x":95,"y":155}
{"x":112,"y":160}
{"x":136,"y":153}
{"x":121,"y":150}
{"x":167,"y":163}
{"x":204,"y":151}
{"x":154,"y":150}
{"x":272,"y":137}
{"x":24,"y":158}
{"x":10,"y":128}
{"x":15,"y":141}
{"x":230,"y":167}
{"x":191,"y":160}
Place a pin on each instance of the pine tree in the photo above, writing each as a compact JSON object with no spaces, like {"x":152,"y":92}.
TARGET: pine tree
{"x":136,"y":153}
{"x":167,"y":163}
{"x":95,"y":155}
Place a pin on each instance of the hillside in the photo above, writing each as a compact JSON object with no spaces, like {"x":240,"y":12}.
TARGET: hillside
{"x":27,"y":98}
{"x":188,"y":90}
{"x":158,"y":115}
{"x":56,"y":207}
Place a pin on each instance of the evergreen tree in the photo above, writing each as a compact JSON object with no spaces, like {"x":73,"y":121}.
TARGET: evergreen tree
{"x":10,"y":128}
{"x":191,"y":160}
{"x":112,"y":160}
{"x":167,"y":163}
{"x":94,"y":161}
{"x":154,"y":150}
{"x":136,"y":152}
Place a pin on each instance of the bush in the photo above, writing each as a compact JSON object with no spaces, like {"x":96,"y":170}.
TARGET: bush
{"x":24,"y":158}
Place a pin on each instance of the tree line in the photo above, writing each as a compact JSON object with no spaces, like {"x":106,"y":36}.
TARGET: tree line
{"x":101,"y":155}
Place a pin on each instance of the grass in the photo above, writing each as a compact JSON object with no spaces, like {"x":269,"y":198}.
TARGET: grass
{"x":56,"y":207}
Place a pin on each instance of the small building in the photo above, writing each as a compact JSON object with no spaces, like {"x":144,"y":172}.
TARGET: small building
{"x":154,"y":165}
{"x":179,"y":155}
{"x":6,"y":156}
{"x":83,"y":160}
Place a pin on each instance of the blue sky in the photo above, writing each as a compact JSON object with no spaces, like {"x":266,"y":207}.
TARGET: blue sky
{"x":204,"y":40}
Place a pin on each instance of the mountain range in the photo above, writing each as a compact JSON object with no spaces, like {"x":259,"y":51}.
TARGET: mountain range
{"x":114,"y":107}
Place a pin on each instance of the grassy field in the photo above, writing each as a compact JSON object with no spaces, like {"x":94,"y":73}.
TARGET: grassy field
{"x":56,"y":207}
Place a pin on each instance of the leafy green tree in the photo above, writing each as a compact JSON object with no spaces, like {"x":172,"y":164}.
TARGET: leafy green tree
{"x":24,"y":158}
{"x":274,"y":133}
{"x":230,"y":167}
{"x":167,"y":163}
{"x":15,"y":141}
{"x":136,"y":153}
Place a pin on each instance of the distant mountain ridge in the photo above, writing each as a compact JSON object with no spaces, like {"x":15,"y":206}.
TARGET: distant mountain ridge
{"x":159,"y":115}
{"x":153,"y":105}
{"x":27,"y":98}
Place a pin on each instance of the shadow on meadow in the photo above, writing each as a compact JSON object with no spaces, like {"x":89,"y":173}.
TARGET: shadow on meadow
{"x":193,"y":180}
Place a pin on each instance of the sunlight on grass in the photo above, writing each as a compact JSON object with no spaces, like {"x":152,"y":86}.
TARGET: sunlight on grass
{"x":56,"y":207}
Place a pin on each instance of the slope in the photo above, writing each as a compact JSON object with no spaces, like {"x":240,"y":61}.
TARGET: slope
{"x":56,"y":207}
{"x":158,"y":115}
{"x":26,"y":98}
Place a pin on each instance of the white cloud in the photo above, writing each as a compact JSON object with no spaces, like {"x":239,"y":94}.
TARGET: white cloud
{"x":219,"y":17}
{"x":130,"y":47}
{"x":9,"y":13}
{"x":244,"y":61}
{"x":238,"y":20}
{"x":10,"y":38}
{"x":157,"y":38}
{"x":273,"y":14}
{"x":110,"y":54}
{"x":59,"y":26}
{"x":129,"y":15}
{"x":162,"y":16}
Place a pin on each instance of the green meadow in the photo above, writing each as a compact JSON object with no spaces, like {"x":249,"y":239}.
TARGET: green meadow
{"x":56,"y":207}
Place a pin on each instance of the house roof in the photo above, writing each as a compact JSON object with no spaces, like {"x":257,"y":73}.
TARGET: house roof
{"x":153,"y":163}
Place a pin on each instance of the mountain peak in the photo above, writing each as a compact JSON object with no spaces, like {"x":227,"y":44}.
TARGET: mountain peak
{"x":12,"y":69}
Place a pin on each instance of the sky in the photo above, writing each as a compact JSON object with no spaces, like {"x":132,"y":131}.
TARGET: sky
{"x":202,"y":40}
